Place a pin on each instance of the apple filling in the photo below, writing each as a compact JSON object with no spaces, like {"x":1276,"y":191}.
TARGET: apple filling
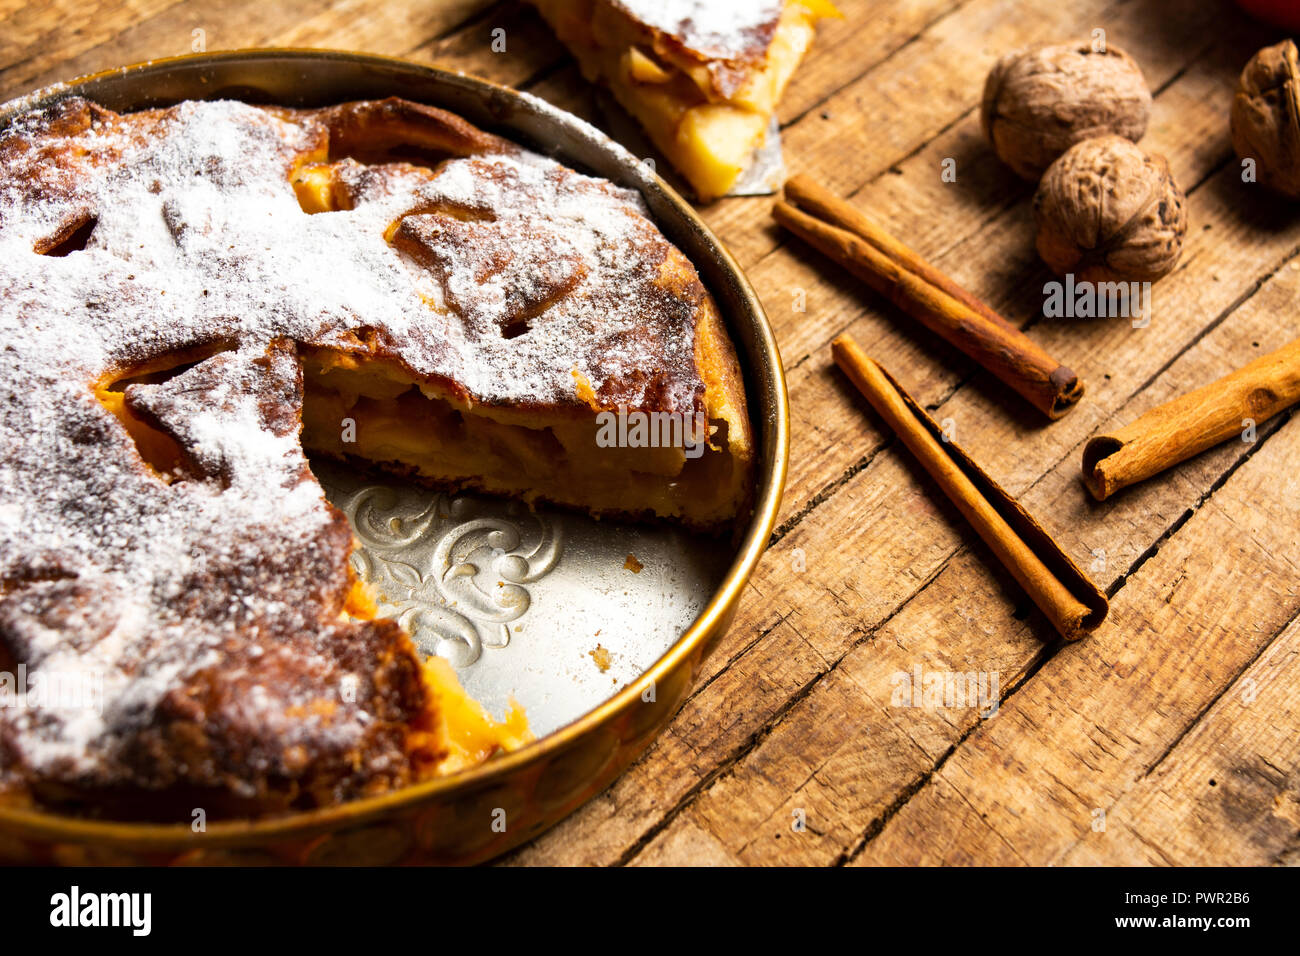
{"x":650,"y":466}
{"x":708,"y":129}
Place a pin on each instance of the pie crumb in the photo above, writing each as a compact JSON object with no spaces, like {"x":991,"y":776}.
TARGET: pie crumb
{"x":632,"y":564}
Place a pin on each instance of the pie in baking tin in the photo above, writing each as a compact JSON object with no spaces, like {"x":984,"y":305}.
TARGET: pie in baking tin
{"x":192,"y":295}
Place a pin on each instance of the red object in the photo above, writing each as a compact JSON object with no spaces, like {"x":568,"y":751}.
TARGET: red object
{"x":1282,"y":13}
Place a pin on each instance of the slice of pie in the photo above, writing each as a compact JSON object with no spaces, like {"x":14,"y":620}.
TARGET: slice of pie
{"x":188,"y":298}
{"x":703,"y":77}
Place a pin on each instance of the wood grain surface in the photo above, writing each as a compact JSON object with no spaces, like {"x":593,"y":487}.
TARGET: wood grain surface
{"x":1172,"y":735}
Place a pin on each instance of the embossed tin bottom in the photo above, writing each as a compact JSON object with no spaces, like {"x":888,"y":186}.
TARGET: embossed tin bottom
{"x":544,"y":606}
{"x":559,"y":586}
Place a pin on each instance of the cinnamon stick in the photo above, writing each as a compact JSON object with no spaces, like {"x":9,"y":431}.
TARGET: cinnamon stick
{"x":1191,"y":423}
{"x":1071,"y":602}
{"x":837,"y":229}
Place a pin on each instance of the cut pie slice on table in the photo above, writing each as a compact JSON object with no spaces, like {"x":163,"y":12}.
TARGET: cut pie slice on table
{"x":703,"y":77}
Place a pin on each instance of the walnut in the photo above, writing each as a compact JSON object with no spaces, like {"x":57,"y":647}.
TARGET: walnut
{"x":1107,"y":211}
{"x":1266,"y":117}
{"x":1038,"y":102}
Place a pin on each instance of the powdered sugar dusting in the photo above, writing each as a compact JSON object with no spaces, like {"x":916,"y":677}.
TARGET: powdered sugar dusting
{"x":219,"y":588}
{"x":721,"y":29}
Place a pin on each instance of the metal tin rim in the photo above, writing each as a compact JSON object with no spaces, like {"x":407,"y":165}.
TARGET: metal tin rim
{"x":775,"y":441}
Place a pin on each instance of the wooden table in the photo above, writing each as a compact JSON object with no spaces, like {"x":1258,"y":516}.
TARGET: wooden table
{"x":1170,"y":736}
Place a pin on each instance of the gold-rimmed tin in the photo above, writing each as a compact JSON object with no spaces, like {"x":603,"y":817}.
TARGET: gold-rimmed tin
{"x":447,"y":820}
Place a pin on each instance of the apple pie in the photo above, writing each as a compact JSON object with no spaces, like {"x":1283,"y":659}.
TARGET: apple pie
{"x":192,"y":296}
{"x":703,"y":77}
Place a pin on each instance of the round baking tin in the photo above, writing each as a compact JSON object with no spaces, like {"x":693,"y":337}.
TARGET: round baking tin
{"x":449,"y":819}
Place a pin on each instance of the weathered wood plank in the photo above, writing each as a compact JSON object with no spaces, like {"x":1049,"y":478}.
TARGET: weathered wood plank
{"x":1026,"y":785}
{"x":530,"y":47}
{"x":34,"y":38}
{"x":870,"y":32}
{"x":1227,"y":794}
{"x":685,"y":844}
{"x":393,"y":27}
{"x":118,"y":34}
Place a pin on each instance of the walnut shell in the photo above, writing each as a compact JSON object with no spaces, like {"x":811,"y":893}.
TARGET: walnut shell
{"x":1038,"y":102}
{"x":1266,"y":117}
{"x":1107,"y":211}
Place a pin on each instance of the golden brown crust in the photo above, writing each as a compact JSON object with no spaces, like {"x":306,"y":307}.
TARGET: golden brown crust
{"x":162,"y":280}
{"x":703,"y":78}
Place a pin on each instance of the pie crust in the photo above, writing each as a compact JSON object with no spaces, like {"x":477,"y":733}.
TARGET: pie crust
{"x":191,"y":295}
{"x":703,"y":77}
